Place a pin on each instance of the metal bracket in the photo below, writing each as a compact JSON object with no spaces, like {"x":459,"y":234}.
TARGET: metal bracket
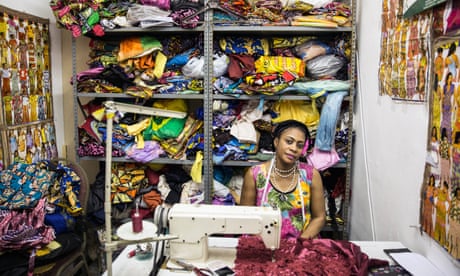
{"x":139,"y":109}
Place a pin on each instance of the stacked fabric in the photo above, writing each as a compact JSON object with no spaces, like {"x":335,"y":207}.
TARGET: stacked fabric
{"x":95,"y":17}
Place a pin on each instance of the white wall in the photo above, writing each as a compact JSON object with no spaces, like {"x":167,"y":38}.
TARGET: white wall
{"x":389,"y":154}
{"x":42,"y":9}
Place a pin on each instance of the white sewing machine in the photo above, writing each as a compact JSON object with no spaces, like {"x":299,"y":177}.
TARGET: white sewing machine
{"x":194,"y":223}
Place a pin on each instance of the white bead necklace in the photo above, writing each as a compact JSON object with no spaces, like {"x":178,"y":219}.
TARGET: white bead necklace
{"x":288,"y":189}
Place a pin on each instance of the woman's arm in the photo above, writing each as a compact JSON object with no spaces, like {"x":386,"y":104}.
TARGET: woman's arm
{"x":248,"y":192}
{"x":317,"y":206}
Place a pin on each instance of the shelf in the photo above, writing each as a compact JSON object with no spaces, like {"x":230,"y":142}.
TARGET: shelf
{"x":128,"y":160}
{"x":267,"y":97}
{"x":130,"y":31}
{"x":231,"y":163}
{"x":249,"y":163}
{"x":200,"y":96}
{"x":276,"y":30}
{"x":155,"y":96}
{"x":228,"y":28}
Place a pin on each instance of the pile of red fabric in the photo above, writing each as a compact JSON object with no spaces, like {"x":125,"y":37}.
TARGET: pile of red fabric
{"x":302,"y":257}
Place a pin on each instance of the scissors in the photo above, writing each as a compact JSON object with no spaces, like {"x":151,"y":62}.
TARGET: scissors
{"x":190,"y":267}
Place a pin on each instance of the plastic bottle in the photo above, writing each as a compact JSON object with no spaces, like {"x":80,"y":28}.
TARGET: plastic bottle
{"x":137,"y":220}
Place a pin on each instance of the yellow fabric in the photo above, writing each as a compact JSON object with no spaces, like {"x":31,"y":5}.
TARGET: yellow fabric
{"x":140,"y":141}
{"x":174,"y":105}
{"x":99,"y":114}
{"x":160,"y":65}
{"x":196,"y":171}
{"x":279,"y":64}
{"x":302,"y":111}
{"x":53,"y":245}
{"x":137,"y":128}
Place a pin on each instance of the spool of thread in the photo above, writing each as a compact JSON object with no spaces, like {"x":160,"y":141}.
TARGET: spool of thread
{"x":137,"y":220}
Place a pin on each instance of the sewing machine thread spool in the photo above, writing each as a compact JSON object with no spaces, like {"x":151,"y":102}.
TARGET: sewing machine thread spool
{"x":136,"y":220}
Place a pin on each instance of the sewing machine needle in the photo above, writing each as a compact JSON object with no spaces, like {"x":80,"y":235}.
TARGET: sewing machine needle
{"x":273,"y":256}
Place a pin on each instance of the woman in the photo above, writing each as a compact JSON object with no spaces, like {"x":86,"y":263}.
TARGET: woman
{"x":428,"y":206}
{"x":441,"y":198}
{"x":446,"y":106}
{"x":452,"y":62}
{"x":445,"y":153}
{"x":294,"y":187}
{"x":453,"y":236}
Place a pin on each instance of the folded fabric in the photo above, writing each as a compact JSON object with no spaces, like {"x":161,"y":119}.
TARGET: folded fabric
{"x":150,"y":151}
{"x":322,"y":160}
{"x":137,"y":46}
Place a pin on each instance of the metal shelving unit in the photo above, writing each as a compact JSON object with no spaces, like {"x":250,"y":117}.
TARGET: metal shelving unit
{"x":208,"y":29}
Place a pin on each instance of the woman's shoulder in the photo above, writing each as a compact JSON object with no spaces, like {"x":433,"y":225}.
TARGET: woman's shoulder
{"x":261,"y":166}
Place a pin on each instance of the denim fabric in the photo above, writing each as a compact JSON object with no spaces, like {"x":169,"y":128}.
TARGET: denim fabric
{"x":328,"y":120}
{"x":317,"y":88}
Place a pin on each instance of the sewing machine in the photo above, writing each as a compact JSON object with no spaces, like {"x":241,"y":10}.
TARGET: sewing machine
{"x":194,"y":223}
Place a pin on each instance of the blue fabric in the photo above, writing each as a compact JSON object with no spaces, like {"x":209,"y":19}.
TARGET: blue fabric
{"x":328,"y":121}
{"x":60,"y":221}
{"x":317,"y":88}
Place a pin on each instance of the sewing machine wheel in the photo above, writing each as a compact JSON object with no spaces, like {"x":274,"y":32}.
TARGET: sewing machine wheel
{"x":160,"y":218}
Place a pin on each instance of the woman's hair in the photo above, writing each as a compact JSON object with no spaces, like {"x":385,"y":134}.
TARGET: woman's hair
{"x":284,"y":125}
{"x":452,"y":49}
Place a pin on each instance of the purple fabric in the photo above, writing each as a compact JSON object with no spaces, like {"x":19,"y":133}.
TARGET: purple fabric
{"x":151,"y":150}
{"x":162,"y":4}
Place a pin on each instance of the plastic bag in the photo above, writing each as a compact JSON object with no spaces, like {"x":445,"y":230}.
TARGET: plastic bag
{"x":194,"y":68}
{"x":325,"y":66}
{"x":311,"y":49}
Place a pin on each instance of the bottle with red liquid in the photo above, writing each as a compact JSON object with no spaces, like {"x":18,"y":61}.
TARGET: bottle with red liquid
{"x":137,"y":220}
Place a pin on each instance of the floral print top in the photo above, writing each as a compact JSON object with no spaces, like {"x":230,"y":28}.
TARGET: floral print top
{"x":294,"y":221}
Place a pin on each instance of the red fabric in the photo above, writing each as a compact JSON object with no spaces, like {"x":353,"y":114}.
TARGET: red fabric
{"x":240,"y":66}
{"x":302,"y":257}
{"x":152,"y":176}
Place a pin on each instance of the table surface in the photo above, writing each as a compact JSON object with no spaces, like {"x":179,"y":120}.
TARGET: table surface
{"x":223,"y":249}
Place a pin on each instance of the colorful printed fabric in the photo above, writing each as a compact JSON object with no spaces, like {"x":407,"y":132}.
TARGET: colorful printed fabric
{"x":20,"y":229}
{"x":291,"y":210}
{"x":126,"y":180}
{"x":245,"y":46}
{"x":23,"y":185}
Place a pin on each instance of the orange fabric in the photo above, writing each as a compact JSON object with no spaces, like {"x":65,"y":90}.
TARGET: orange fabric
{"x":152,"y":199}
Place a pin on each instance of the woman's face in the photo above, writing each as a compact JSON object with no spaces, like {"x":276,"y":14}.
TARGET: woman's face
{"x":289,"y":145}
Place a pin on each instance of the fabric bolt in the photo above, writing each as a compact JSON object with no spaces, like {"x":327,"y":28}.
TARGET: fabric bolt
{"x":328,"y":121}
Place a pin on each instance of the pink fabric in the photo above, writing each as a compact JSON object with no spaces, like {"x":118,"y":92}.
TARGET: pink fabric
{"x":302,"y":257}
{"x":453,"y":18}
{"x":323,"y":160}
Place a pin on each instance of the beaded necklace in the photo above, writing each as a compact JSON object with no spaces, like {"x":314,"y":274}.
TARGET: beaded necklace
{"x":264,"y":195}
{"x":291,"y":186}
